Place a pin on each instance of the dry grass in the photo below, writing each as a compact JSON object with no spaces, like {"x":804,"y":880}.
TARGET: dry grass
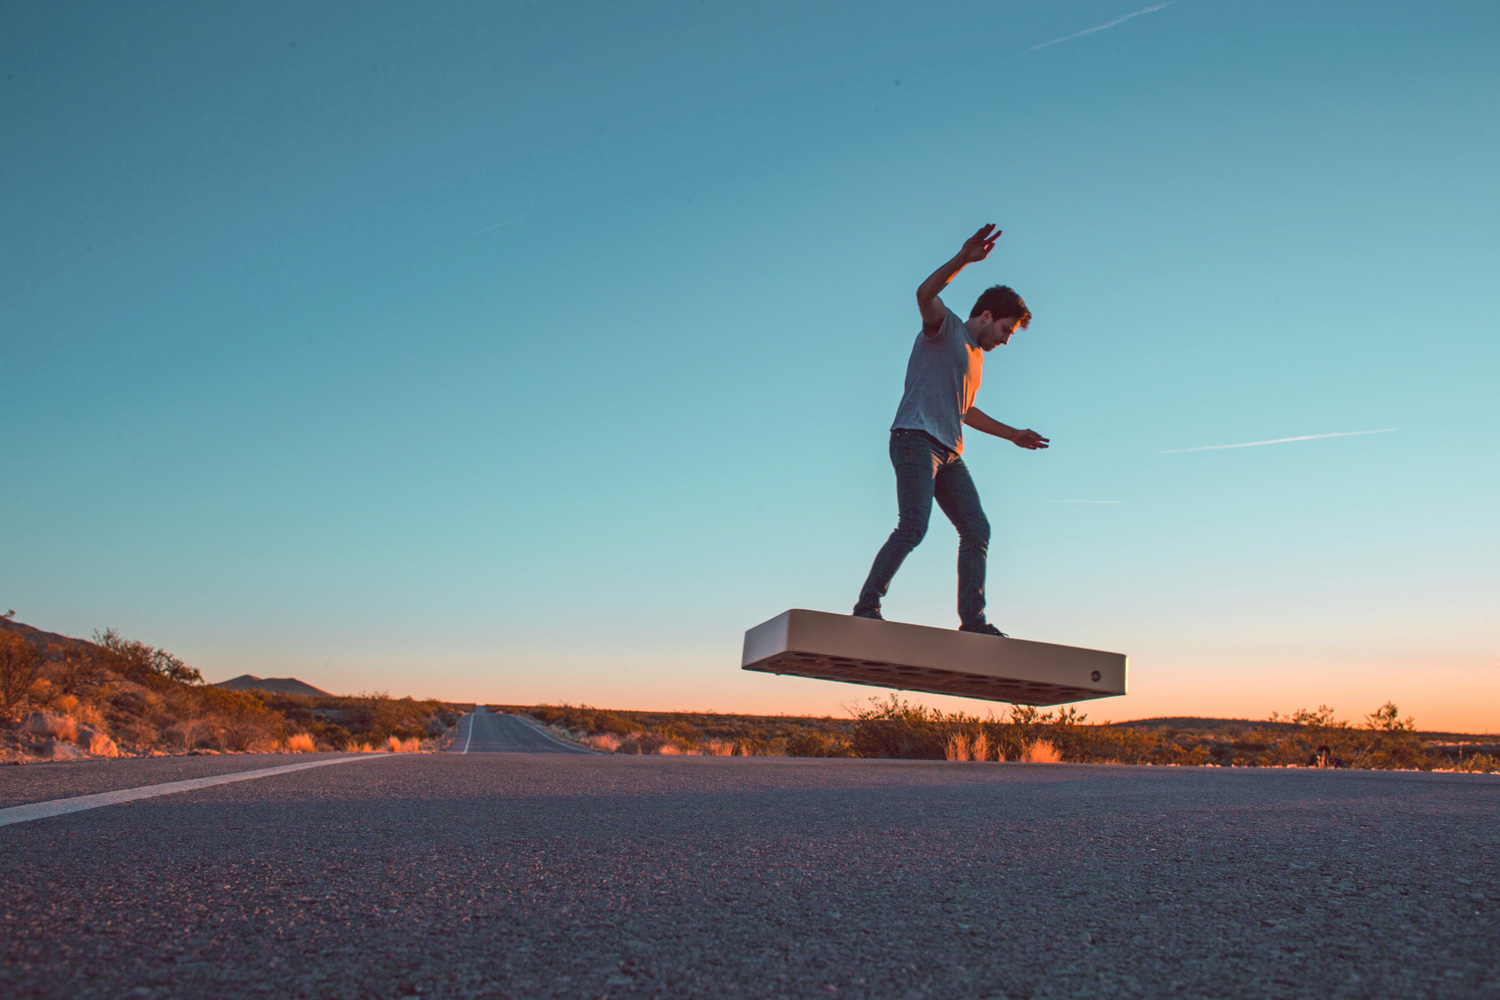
{"x":53,"y":724}
{"x":1477,"y":764}
{"x":1042,"y":752}
{"x":654,"y":744}
{"x":300,"y":743}
{"x":396,"y":745}
{"x":961,"y":746}
{"x":80,"y":711}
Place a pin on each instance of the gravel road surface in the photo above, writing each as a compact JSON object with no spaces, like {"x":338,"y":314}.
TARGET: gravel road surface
{"x":587,"y":875}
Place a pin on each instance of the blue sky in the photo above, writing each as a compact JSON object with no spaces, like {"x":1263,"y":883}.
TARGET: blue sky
{"x":533,"y":352}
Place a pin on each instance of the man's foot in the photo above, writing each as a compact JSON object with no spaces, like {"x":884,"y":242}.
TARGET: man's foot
{"x":983,"y":629}
{"x":872,"y":613}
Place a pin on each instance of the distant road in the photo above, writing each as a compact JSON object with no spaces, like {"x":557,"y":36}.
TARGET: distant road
{"x":482,"y":731}
{"x":527,"y":874}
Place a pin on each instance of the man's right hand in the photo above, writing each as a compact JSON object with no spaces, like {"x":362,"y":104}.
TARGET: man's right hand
{"x":978,"y":246}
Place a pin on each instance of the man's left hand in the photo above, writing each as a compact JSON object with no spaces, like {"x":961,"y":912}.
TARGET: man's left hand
{"x":1030,"y":439}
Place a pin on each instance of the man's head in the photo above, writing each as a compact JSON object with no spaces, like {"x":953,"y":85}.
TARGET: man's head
{"x":998,"y":313}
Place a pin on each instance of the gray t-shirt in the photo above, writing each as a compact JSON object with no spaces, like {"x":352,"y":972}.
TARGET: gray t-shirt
{"x":942,"y":377}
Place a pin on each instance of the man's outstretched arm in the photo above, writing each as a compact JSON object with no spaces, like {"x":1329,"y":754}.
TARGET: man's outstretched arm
{"x":981,"y":421}
{"x":975,"y":248}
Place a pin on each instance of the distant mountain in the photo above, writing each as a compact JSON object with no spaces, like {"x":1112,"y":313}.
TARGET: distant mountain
{"x":280,"y":685}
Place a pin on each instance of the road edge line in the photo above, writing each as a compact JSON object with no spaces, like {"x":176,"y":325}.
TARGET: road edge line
{"x":538,"y":727}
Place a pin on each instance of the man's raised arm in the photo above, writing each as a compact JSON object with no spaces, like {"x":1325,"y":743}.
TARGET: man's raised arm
{"x":975,"y":249}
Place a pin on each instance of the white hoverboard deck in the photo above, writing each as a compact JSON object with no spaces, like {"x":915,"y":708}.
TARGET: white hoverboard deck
{"x":934,"y":660}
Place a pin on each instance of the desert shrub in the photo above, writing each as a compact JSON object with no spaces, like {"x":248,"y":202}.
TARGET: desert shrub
{"x":84,"y":712}
{"x":1317,"y":739}
{"x":188,"y":733}
{"x":1393,"y":741}
{"x":20,"y":667}
{"x":1181,"y":756}
{"x":377,"y":717}
{"x":610,"y":722}
{"x":566,"y":716}
{"x":587,"y":721}
{"x":300,"y":743}
{"x":1110,"y":745}
{"x":1025,"y":733}
{"x":75,"y":671}
{"x":680,"y":731}
{"x":808,"y":744}
{"x":141,"y":662}
{"x":241,"y":719}
{"x":694,"y":732}
{"x":338,"y":722}
{"x":896,"y":728}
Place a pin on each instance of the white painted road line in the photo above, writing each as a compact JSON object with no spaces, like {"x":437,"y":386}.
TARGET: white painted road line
{"x":60,"y":807}
{"x":471,"y":729}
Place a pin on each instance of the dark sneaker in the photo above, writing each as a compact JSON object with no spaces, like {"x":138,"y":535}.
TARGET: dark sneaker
{"x":984,"y":629}
{"x":873,"y":613}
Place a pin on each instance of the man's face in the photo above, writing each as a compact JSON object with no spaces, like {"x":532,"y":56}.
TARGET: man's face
{"x":998,"y":332}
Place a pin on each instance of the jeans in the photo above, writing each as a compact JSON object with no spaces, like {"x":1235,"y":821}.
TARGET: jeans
{"x":927,"y":469}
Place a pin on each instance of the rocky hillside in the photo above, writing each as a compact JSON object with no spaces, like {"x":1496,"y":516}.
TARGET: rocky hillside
{"x":63,"y":698}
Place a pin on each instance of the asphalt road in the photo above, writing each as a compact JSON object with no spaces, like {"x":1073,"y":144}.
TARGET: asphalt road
{"x":482,"y":731}
{"x":581,"y":875}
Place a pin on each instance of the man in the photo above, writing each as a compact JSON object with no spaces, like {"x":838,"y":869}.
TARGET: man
{"x":942,"y":377}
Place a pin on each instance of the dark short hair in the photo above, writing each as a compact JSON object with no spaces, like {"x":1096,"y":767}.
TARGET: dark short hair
{"x":1002,"y":301}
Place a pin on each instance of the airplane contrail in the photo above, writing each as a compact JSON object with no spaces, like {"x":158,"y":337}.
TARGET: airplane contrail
{"x":1083,"y":501}
{"x":502,"y":222}
{"x":1101,"y":27}
{"x":1256,"y":444}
